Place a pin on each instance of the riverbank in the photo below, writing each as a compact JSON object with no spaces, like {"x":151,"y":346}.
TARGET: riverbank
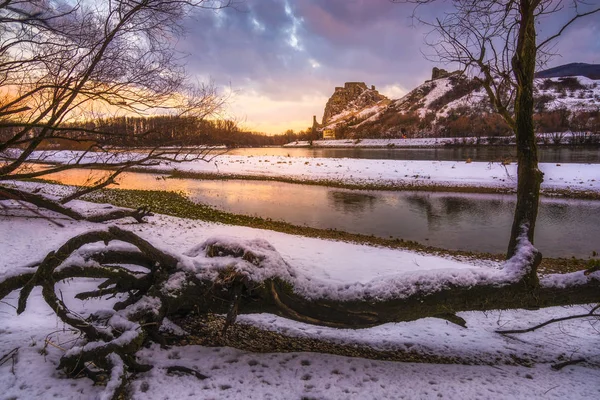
{"x":569,"y":180}
{"x":382,"y":143}
{"x":576,"y":180}
{"x":517,"y":366}
{"x":420,"y":186}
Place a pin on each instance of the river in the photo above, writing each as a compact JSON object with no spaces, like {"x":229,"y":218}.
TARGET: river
{"x":473,"y":222}
{"x":547,"y":154}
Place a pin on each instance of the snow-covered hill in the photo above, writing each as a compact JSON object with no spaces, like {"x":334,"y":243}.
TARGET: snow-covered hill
{"x":450,"y":103}
{"x":354,"y":101}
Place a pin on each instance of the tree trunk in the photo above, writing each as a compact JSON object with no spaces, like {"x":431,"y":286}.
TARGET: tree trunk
{"x":529,"y":175}
{"x":170,"y":288}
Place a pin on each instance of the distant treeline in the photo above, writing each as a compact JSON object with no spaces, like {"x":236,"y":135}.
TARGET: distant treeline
{"x":162,"y":130}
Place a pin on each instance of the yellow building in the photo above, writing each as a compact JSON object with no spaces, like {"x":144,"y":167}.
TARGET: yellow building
{"x":328,"y":134}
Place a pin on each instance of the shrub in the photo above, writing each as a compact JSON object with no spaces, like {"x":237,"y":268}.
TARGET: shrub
{"x":540,"y":102}
{"x":562,"y":84}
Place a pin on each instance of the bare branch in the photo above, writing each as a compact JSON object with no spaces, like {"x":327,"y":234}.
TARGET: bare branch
{"x":565,"y":26}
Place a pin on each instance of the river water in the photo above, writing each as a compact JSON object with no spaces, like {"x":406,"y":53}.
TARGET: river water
{"x":549,"y":154}
{"x":473,"y":222}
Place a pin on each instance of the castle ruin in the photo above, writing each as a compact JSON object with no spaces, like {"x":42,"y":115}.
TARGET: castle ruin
{"x":438,"y":73}
{"x":350,"y":92}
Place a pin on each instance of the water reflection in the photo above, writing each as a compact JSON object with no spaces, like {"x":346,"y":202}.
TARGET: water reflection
{"x":475,"y":222}
{"x":447,"y":210}
{"x":351,"y":202}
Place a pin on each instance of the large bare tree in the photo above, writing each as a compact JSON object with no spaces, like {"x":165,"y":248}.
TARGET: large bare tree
{"x":67,"y":62}
{"x":498,"y":41}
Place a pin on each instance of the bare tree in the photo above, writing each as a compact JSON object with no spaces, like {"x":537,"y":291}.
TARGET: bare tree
{"x":62,"y":62}
{"x":249,"y":278}
{"x":497,"y":41}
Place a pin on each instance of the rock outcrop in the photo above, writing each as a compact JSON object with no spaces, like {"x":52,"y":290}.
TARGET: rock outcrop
{"x":438,"y":73}
{"x":355,"y":94}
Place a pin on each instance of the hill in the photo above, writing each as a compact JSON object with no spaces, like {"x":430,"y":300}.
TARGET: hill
{"x":591,"y":71}
{"x":452,"y":104}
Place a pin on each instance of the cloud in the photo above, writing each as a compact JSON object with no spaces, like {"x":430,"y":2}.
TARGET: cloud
{"x":393,"y":91}
{"x":261,"y":113}
{"x":297,"y":51}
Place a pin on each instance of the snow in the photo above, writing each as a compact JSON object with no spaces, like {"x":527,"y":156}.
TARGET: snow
{"x":587,"y":99}
{"x":524,"y":254}
{"x":297,"y":375}
{"x":369,"y":111}
{"x":264,"y":261}
{"x":116,"y":377}
{"x":145,"y":304}
{"x":574,"y":177}
{"x":440,"y":88}
{"x":175,"y":284}
{"x":328,"y":268}
{"x":404,"y":173}
{"x":476,"y":344}
{"x":567,"y":280}
{"x":471,"y":99}
{"x":427,"y":279}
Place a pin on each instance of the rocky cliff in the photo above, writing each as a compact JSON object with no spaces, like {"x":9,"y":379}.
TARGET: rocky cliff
{"x":451,"y":103}
{"x":351,"y":96}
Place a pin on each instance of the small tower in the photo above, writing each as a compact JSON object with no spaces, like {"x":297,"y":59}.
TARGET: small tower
{"x":315,"y":126}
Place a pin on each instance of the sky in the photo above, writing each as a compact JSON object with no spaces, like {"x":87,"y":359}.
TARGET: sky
{"x":281,"y":59}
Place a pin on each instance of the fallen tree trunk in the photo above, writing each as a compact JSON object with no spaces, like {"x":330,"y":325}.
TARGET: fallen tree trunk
{"x":43,"y":202}
{"x":225,"y":277}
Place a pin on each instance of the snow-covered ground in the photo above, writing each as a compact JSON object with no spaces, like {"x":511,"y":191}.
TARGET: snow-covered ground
{"x":397,"y":173}
{"x":587,"y":98}
{"x":236,"y":374}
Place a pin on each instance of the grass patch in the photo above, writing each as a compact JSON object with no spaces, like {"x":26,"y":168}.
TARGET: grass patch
{"x":178,"y":205}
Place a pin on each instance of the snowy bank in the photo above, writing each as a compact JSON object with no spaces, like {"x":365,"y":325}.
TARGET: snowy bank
{"x":574,"y":178}
{"x":241,"y":375}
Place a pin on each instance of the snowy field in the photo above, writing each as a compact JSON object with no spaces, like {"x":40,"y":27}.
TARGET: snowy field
{"x":236,"y":374}
{"x":570,"y":177}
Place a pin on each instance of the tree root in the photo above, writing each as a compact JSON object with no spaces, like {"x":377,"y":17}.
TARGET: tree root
{"x":559,"y":366}
{"x":179,"y":370}
{"x":551,"y":321}
{"x":227,"y":283}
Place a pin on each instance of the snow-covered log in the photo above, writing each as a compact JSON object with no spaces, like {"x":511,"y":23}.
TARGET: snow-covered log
{"x":227,"y":276}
